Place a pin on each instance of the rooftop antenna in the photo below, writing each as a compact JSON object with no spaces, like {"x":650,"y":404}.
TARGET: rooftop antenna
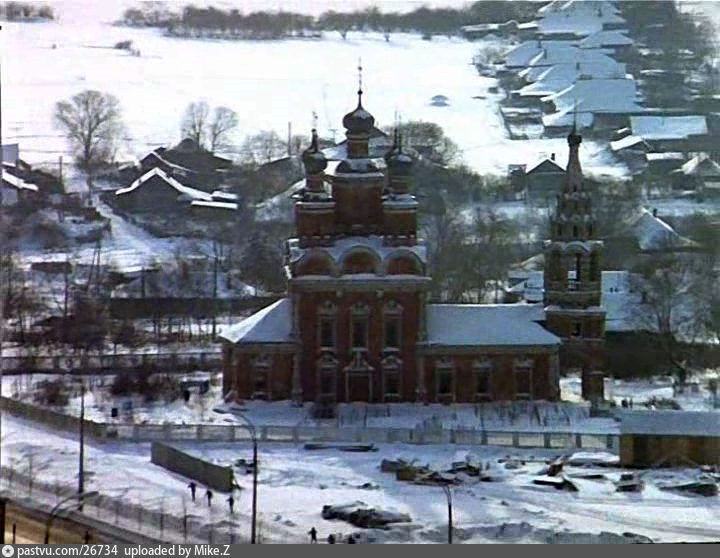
{"x":575,"y":121}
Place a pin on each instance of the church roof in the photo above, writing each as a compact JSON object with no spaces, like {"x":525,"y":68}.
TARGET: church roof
{"x":272,"y":325}
{"x":481,"y":325}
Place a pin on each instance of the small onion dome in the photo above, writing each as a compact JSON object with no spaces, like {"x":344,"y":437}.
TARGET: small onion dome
{"x":359,"y":121}
{"x":574,"y":138}
{"x":313,"y":159}
{"x":398,"y":163}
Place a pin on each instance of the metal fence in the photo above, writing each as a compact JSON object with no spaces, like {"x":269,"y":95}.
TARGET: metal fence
{"x":158,"y":524}
{"x":549,"y":439}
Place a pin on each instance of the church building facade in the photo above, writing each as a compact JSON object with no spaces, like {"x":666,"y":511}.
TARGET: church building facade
{"x":356,"y":324}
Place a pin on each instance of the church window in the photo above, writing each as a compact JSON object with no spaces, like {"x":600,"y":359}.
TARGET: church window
{"x":575,"y":231}
{"x":391,"y":327}
{"x":327,"y":326}
{"x":359,"y":326}
{"x":594,"y":267}
{"x":578,"y":268}
{"x":327,"y":369}
{"x":482,"y":371}
{"x":444,"y":376}
{"x":523,"y":370}
{"x":261,"y":372}
{"x":576,"y":329}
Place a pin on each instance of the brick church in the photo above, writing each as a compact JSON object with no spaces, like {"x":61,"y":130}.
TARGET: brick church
{"x":356,"y":324}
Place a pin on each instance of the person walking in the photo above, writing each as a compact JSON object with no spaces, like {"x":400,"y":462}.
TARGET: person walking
{"x":313,"y":535}
{"x":193,"y":487}
{"x":331,"y":539}
{"x":351,"y":540}
{"x":231,"y":504}
{"x":209,"y":496}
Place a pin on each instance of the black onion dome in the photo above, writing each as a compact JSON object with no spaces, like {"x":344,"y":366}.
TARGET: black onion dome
{"x":399,"y":163}
{"x":359,"y":121}
{"x":313,"y":159}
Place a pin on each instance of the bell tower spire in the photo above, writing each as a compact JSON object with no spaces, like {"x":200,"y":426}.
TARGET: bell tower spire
{"x":573,"y":276}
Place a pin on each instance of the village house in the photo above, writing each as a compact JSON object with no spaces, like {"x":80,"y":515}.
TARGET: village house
{"x":356,"y":324}
{"x":700,"y":174}
{"x":188,"y":163}
{"x":672,"y":133}
{"x":541,"y":182}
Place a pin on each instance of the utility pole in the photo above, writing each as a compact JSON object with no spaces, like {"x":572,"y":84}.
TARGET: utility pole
{"x":81,"y":462}
{"x":448,"y":495}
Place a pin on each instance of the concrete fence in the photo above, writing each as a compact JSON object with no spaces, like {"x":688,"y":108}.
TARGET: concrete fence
{"x":93,"y":363}
{"x":549,"y":439}
{"x":217,"y":477}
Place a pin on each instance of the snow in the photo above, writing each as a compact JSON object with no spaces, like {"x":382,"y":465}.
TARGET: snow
{"x":227,"y":206}
{"x":294,"y":484}
{"x":155,"y":88}
{"x":18,"y":183}
{"x":606,"y":38}
{"x":272,"y":324}
{"x":626,"y":142}
{"x":700,"y":165}
{"x":668,"y":127}
{"x":653,"y":233}
{"x":487,"y":324}
{"x":597,"y":95}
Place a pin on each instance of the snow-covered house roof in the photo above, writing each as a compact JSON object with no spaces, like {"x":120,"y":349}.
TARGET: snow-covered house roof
{"x":669,"y":423}
{"x":568,"y":117}
{"x":10,"y":153}
{"x":191,"y":193}
{"x":471,"y":325}
{"x":560,"y":6}
{"x":544,"y":165}
{"x":665,"y":156}
{"x":580,"y":23}
{"x":700,"y":165}
{"x":18,"y":183}
{"x":606,"y":38}
{"x":594,"y":67}
{"x":225,"y":206}
{"x":597,"y":95}
{"x":668,"y":127}
{"x":566,"y":55}
{"x":520,"y":55}
{"x":271,"y":325}
{"x":652,"y":233}
{"x":629,"y":142}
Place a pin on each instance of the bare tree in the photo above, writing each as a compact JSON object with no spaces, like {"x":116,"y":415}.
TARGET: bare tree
{"x":93,"y":125}
{"x":263,"y":147}
{"x":223,"y":123}
{"x":195,"y":122}
{"x":210,"y":131}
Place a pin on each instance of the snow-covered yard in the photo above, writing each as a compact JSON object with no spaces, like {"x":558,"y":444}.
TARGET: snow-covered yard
{"x":295,"y":483}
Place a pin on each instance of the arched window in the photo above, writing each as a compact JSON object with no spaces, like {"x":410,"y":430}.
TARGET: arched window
{"x":359,"y":326}
{"x":327,"y":376}
{"x":261,"y":366}
{"x":327,"y":326}
{"x":391,"y":373}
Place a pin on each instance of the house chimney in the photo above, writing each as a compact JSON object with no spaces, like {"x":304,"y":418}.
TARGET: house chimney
{"x":654,"y":211}
{"x":552,"y":156}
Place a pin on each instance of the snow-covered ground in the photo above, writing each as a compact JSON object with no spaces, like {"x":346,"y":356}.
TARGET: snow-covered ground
{"x":294,"y":484}
{"x":268,"y":83}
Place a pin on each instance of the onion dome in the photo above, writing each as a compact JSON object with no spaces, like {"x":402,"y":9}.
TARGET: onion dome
{"x":313,"y":159}
{"x":359,"y":121}
{"x":399,"y":163}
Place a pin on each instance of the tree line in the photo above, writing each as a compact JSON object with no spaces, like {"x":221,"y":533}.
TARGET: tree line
{"x":280,"y":24}
{"x":18,"y":11}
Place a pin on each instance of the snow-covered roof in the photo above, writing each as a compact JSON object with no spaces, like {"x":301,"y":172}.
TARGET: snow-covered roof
{"x":219,"y":195}
{"x":227,"y":206}
{"x":10,"y":153}
{"x":580,"y":23}
{"x":568,"y":117}
{"x":665,"y":156}
{"x":272,"y":325}
{"x":652,"y":233}
{"x":455,"y":325}
{"x":627,"y":142}
{"x":546,"y":164}
{"x":19,"y":183}
{"x":700,"y":165}
{"x":668,"y":127}
{"x":669,"y":423}
{"x":566,"y":55}
{"x":520,"y":55}
{"x":598,"y":67}
{"x":181,"y":189}
{"x":605,"y":38}
{"x":597,"y":95}
{"x":561,"y":6}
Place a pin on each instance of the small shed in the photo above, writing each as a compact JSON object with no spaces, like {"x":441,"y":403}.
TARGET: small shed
{"x":654,"y":438}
